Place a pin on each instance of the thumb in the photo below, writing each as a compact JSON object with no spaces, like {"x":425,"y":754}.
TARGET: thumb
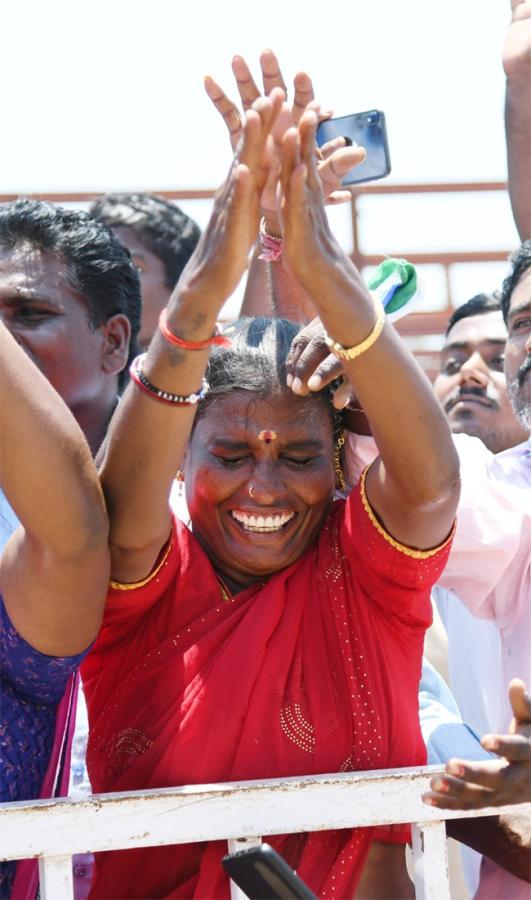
{"x":520,"y":702}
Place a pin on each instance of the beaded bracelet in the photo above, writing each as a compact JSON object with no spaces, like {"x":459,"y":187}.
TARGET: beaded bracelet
{"x":155,"y":393}
{"x":183,"y":344}
{"x":270,"y":244}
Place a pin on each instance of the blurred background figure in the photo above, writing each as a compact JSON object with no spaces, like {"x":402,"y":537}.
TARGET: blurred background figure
{"x":70,"y":297}
{"x":160,"y":238}
{"x":471,"y":384}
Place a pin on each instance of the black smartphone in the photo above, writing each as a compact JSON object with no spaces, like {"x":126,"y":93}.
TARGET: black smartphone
{"x":367,"y":129}
{"x":263,"y":874}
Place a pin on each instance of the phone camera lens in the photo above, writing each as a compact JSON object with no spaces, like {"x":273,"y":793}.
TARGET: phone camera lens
{"x":371,"y":118}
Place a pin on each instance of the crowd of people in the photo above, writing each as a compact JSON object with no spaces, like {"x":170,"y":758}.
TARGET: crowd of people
{"x":235,"y":537}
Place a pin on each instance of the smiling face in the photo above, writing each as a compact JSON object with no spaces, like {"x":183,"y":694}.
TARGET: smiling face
{"x":256,"y":505}
{"x":472,"y":386}
{"x":518,"y":351}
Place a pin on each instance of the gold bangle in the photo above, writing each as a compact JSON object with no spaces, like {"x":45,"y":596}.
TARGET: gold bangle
{"x":351,"y":353}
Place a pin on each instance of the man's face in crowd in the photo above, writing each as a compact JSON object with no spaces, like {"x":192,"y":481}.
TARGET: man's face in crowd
{"x":155,"y":291}
{"x":518,"y":350}
{"x":50,"y":321}
{"x":471,"y":385}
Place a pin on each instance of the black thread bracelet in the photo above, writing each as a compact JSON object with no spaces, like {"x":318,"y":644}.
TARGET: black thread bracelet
{"x":143,"y":382}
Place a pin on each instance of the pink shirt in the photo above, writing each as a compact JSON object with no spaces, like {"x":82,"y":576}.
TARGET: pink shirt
{"x":489,"y":567}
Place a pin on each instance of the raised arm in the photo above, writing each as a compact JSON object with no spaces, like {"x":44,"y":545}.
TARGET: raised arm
{"x":147,"y":438}
{"x":271,"y":289}
{"x":517,"y":66}
{"x":55,"y":568}
{"x":414,"y":486}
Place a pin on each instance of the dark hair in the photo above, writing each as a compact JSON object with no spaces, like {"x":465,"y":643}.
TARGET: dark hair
{"x":97,"y":265}
{"x":520,"y":261}
{"x":256,"y":362}
{"x":161,"y":226}
{"x":476,"y":306}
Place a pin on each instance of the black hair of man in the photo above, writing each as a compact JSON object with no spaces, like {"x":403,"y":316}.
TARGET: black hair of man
{"x":476,"y":306}
{"x":520,"y":261}
{"x":97,"y":265}
{"x":158,"y":223}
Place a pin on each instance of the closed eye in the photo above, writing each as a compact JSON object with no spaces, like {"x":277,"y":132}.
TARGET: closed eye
{"x":299,"y":461}
{"x":32,"y":314}
{"x":232,"y":461}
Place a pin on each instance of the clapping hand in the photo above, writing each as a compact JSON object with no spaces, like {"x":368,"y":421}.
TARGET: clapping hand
{"x":335,"y":159}
{"x":220,"y":257}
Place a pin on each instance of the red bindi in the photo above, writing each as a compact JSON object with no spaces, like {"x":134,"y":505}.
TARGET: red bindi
{"x":267,"y":436}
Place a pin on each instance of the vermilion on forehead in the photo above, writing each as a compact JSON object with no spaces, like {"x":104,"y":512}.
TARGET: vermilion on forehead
{"x":238,"y":420}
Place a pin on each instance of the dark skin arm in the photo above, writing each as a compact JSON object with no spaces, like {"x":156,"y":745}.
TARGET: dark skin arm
{"x":384,"y":875}
{"x":506,"y":840}
{"x":55,"y":568}
{"x":147,"y":440}
{"x":414,"y":486}
{"x":517,"y":66}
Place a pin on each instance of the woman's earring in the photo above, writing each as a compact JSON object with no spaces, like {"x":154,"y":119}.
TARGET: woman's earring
{"x":338,"y":468}
{"x":179,"y":478}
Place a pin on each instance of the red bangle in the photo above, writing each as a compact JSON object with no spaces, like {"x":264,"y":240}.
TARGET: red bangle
{"x":172,"y":338}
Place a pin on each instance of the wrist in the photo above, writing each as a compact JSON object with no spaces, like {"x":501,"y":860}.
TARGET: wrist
{"x":272,"y":224}
{"x":189,"y":313}
{"x":270,"y":244}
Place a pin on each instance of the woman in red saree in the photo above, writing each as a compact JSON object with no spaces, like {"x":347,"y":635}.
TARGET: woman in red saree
{"x":283,"y":634}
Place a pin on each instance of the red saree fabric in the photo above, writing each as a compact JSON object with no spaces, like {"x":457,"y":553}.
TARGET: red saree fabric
{"x":314,"y":671}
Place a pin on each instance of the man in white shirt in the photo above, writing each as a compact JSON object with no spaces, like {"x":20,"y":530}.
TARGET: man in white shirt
{"x":490,"y":564}
{"x":472,"y":389}
{"x":490,"y":570}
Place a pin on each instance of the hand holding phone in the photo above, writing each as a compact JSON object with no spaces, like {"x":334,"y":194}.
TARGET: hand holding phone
{"x":368,"y":130}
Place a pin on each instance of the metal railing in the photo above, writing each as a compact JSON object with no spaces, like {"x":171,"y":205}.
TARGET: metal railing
{"x":418,"y":326}
{"x":241,"y":812}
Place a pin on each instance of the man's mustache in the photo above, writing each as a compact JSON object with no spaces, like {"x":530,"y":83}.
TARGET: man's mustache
{"x":470,"y":392}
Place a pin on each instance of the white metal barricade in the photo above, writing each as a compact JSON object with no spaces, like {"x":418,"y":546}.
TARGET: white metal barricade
{"x":241,"y":812}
